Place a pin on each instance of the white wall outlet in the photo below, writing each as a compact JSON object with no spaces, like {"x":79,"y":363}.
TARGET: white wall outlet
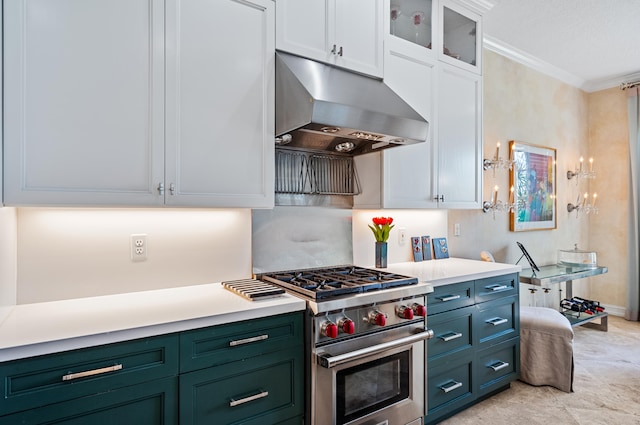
{"x":456,"y":229}
{"x":139,"y":247}
{"x":402,"y":235}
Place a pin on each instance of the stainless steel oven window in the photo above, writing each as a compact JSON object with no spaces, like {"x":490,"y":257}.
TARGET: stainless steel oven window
{"x":372,"y":386}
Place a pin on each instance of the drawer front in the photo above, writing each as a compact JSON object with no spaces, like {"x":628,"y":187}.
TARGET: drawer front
{"x":217,"y":345}
{"x":452,"y":332}
{"x":449,"y":385}
{"x":498,"y":365}
{"x":149,"y":403}
{"x":449,"y":297}
{"x":38,"y":381}
{"x":497,"y":321}
{"x":261,"y":390}
{"x":496,"y":287}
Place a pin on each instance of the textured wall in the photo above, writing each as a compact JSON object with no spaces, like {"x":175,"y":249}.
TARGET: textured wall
{"x":608,"y":231}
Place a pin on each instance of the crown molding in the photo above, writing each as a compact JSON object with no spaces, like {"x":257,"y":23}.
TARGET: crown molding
{"x":531,"y":61}
{"x":479,"y":6}
{"x":609,"y":82}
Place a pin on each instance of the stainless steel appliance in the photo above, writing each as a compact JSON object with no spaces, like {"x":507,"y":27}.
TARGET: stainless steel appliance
{"x":366,"y":332}
{"x":321,"y":107}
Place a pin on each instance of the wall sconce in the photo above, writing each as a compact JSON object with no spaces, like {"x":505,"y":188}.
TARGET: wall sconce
{"x":498,"y":206}
{"x":583,"y":205}
{"x":580,"y":172}
{"x":497,"y":162}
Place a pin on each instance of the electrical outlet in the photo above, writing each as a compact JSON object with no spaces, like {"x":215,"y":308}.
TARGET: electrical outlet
{"x":139,"y":247}
{"x":402,"y":235}
{"x":456,"y":229}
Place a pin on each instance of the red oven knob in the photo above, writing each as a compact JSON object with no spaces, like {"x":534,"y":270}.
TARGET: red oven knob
{"x":330,"y":329}
{"x":419,"y":310}
{"x":377,"y":318}
{"x":347,"y":325}
{"x":405,"y":312}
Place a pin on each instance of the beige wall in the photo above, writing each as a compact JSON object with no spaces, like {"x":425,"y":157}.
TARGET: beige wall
{"x":8,"y":245}
{"x":524,"y":105}
{"x":608,"y":231}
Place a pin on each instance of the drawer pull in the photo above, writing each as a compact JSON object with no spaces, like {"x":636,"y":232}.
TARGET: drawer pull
{"x":446,"y":298}
{"x":499,"y":365}
{"x":450,"y":386}
{"x":235,"y":402}
{"x":496,"y":287}
{"x":497,"y":321}
{"x":93,"y":372}
{"x":248,"y":340}
{"x":450,"y":336}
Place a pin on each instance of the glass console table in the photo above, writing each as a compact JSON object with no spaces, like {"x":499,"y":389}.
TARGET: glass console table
{"x":556,"y":274}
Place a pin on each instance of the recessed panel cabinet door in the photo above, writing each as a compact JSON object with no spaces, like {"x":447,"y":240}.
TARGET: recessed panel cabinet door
{"x":220,"y":103}
{"x":84,"y":96}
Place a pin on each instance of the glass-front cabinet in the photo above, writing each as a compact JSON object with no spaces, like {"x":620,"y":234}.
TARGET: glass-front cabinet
{"x":461,"y":42}
{"x":412,"y":20}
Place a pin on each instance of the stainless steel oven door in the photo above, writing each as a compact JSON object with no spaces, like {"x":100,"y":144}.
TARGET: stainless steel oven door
{"x":366,"y":381}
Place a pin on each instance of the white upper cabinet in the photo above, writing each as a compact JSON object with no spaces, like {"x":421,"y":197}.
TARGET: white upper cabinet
{"x":461,"y":36}
{"x":220,"y":103}
{"x":92,"y":118}
{"x":345,"y":33}
{"x":445,"y":171}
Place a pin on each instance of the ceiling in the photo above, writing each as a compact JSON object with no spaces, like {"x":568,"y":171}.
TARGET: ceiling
{"x":591,"y":44}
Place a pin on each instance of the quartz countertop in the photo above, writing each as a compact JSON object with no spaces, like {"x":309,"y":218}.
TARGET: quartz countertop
{"x":451,"y":270}
{"x":41,"y":328}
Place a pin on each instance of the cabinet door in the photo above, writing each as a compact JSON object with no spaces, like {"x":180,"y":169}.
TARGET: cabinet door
{"x":220,"y":103}
{"x":409,"y":177}
{"x":150,"y":403}
{"x":302,"y":28}
{"x":84,"y":96}
{"x":460,"y":37}
{"x":358,"y":35}
{"x":459,"y":135}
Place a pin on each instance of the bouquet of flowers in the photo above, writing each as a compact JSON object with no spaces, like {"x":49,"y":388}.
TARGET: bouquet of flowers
{"x":381,"y":228}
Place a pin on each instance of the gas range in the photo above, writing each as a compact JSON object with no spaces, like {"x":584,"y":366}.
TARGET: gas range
{"x":339,"y":287}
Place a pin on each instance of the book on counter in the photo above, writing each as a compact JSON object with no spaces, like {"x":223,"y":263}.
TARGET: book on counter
{"x":427,"y":252}
{"x":416,"y":247}
{"x":440,"y":248}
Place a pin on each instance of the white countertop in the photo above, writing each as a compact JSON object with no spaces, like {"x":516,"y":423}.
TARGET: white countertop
{"x":32,"y":329}
{"x":451,"y":270}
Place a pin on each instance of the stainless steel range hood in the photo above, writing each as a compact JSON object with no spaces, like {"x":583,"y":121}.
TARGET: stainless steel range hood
{"x":323,"y":108}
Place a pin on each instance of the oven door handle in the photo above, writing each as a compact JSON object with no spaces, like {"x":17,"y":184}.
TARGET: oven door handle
{"x":328,"y":361}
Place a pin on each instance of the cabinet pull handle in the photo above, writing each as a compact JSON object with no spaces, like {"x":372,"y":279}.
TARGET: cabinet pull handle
{"x":340,"y":51}
{"x":496,"y":321}
{"x":498,"y":365}
{"x":93,"y":372}
{"x":161,"y":188}
{"x":333,"y":50}
{"x":172,"y":188}
{"x":450,"y":386}
{"x":496,"y":287}
{"x":247,"y":340}
{"x":235,"y":402}
{"x":446,"y":298}
{"x":450,"y":336}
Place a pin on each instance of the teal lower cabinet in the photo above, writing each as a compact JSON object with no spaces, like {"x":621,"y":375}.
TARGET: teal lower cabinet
{"x":262,"y":390}
{"x":248,"y":372}
{"x":151,"y":403}
{"x":475,"y":351}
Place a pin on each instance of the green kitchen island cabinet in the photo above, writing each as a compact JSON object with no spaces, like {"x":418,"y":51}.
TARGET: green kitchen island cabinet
{"x":475,"y":351}
{"x":246,"y":372}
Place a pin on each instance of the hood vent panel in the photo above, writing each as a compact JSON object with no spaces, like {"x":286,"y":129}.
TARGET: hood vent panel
{"x":320,"y":107}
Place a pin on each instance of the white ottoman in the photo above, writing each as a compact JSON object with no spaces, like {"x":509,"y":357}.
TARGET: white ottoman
{"x":546,"y":348}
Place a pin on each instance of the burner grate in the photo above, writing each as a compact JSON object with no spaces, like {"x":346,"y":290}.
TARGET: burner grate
{"x":337,"y":281}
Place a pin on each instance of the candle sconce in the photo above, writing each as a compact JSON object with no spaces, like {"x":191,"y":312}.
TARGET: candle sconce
{"x":497,"y":162}
{"x":580,"y":172}
{"x":496,"y":205}
{"x":584,"y":205}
